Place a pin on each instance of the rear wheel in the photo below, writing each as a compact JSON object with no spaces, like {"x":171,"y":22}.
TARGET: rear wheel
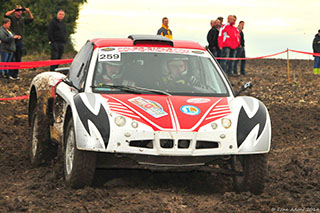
{"x":254,"y":170}
{"x":79,"y":166}
{"x":42,"y":148}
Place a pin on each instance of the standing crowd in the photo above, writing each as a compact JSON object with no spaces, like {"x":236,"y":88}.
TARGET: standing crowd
{"x":225,"y":41}
{"x":12,"y":35}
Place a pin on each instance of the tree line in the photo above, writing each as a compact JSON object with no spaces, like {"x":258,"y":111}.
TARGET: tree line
{"x":36,"y":36}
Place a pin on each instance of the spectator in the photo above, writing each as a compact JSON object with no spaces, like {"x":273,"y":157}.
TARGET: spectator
{"x":228,"y":40}
{"x":57,"y":35}
{"x":212,"y":23}
{"x":212,"y":38}
{"x":18,"y":22}
{"x":164,"y":30}
{"x":7,"y":46}
{"x":316,"y":49}
{"x":220,"y":18}
{"x":240,"y":52}
{"x":231,"y":64}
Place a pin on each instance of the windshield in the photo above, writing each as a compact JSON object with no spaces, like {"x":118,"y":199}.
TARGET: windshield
{"x":176,"y":74}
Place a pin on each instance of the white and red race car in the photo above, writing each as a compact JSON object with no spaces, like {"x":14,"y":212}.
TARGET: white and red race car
{"x":152,"y":103}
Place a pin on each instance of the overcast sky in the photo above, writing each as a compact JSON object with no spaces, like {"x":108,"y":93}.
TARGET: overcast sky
{"x":271,"y":26}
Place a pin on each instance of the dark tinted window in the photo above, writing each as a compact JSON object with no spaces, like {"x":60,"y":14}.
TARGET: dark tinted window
{"x":80,"y":65}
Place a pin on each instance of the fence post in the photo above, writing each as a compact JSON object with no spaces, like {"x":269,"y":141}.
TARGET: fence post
{"x":288,"y":65}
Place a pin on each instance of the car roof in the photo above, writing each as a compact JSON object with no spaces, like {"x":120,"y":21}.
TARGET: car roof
{"x":146,"y":41}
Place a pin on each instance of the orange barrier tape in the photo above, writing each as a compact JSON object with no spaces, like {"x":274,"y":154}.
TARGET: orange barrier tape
{"x":15,"y":98}
{"x":32,"y":64}
{"x":314,"y":54}
{"x":266,"y":56}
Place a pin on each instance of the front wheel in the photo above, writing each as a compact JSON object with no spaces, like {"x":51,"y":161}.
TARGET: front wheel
{"x":254,"y":172}
{"x":79,"y":166}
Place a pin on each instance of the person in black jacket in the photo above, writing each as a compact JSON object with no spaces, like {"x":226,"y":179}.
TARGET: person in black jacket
{"x":316,"y":49}
{"x":240,"y":52}
{"x":57,"y":35}
{"x":212,"y":37}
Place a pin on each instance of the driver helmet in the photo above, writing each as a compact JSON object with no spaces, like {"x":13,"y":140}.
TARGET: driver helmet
{"x":113,"y":69}
{"x":176,"y":68}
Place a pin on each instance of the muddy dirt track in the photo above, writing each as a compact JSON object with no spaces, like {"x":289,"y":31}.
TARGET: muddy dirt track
{"x":294,"y":163}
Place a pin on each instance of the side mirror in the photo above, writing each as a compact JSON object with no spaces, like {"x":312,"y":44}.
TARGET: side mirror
{"x":244,"y":87}
{"x":63,"y":70}
{"x":70,"y":83}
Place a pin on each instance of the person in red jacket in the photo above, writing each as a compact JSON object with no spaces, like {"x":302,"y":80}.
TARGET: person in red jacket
{"x":228,"y":41}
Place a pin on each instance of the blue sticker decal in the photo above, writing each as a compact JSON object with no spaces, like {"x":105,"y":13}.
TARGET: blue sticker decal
{"x":190,"y":110}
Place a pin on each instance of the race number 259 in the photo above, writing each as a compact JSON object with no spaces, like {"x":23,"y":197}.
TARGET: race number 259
{"x":109,"y":57}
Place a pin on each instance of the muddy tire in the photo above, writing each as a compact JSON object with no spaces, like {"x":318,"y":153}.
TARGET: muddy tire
{"x":254,"y":170}
{"x":42,"y":150}
{"x":79,"y":166}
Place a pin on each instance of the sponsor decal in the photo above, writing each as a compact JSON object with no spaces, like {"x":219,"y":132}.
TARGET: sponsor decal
{"x":190,"y":110}
{"x":108,"y":49}
{"x":198,"y":100}
{"x":151,"y":107}
{"x":198,"y":52}
{"x":154,"y":49}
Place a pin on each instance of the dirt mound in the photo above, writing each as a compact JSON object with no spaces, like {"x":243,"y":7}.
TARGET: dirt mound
{"x":294,"y":169}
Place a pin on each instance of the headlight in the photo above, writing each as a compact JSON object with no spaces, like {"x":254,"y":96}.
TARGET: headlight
{"x":134,"y":124}
{"x":214,"y":125}
{"x":226,"y":123}
{"x":120,"y":121}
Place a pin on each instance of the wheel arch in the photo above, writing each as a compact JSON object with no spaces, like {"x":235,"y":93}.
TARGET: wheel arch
{"x":41,"y":92}
{"x":32,"y":103}
{"x":68,"y":116}
{"x":40,"y":97}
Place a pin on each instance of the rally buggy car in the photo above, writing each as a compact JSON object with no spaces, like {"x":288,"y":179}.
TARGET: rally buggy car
{"x":146,"y":102}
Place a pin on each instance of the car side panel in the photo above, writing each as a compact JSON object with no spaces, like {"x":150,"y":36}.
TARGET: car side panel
{"x":253,"y":131}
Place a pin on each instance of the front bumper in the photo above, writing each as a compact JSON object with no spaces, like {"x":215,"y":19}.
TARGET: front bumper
{"x":165,"y":163}
{"x":165,"y":143}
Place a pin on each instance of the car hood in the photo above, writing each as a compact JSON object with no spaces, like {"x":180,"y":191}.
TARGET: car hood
{"x":169,"y":113}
